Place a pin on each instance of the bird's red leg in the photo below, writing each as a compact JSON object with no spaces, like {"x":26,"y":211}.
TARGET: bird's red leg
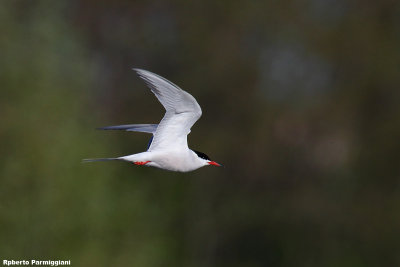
{"x":141,"y":162}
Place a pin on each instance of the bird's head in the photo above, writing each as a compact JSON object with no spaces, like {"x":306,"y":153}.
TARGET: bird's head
{"x":205,"y":159}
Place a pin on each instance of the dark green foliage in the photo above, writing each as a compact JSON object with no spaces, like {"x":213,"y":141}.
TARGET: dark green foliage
{"x":300,"y":104}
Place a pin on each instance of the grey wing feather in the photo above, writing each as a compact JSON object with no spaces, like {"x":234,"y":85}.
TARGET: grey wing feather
{"x":182,"y":111}
{"x":144,"y":128}
{"x":173,"y":98}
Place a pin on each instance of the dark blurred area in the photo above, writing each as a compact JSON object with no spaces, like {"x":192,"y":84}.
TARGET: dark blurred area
{"x":300,"y":102}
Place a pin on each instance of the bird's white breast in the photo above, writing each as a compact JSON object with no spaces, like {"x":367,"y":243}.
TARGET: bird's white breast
{"x":182,"y":161}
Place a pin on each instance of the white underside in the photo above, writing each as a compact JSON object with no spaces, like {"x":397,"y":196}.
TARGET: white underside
{"x":172,"y":160}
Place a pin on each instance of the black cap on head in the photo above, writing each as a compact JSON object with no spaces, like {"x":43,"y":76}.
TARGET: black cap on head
{"x":201,"y":155}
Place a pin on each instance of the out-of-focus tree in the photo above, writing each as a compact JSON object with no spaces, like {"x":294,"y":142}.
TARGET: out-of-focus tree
{"x":300,"y":103}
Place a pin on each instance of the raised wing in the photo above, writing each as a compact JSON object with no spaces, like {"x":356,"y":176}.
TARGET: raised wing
{"x":182,"y":111}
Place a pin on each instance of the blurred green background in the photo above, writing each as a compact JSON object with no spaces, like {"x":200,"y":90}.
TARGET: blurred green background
{"x":300,"y":102}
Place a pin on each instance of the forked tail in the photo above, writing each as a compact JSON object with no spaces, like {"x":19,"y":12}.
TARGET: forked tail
{"x":101,"y":159}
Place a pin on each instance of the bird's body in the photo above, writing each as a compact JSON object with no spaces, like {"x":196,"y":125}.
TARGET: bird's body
{"x":168,"y":148}
{"x":171,"y":160}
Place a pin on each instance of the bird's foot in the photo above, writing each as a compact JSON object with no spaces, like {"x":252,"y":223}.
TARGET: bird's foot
{"x":140,"y":163}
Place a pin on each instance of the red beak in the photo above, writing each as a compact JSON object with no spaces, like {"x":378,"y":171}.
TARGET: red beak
{"x":214,"y":163}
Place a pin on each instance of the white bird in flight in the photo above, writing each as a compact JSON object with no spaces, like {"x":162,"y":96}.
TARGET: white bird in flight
{"x":168,"y":148}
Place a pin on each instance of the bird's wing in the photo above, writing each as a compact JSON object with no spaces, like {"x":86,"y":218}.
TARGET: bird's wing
{"x":144,"y":128}
{"x":182,"y":111}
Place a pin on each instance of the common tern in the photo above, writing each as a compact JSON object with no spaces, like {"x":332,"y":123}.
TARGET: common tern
{"x":168,"y":147}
